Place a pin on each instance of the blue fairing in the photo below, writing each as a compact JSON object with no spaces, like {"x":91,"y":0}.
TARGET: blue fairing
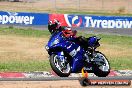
{"x":53,"y":37}
{"x":92,"y":41}
{"x":57,"y":41}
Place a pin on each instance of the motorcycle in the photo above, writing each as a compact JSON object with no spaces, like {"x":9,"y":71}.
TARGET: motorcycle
{"x":68,"y":57}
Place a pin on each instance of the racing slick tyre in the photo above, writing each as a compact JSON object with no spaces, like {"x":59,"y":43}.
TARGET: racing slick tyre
{"x":101,"y":67}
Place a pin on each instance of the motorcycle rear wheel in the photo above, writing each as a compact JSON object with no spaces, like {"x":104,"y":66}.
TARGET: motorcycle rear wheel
{"x":101,"y":71}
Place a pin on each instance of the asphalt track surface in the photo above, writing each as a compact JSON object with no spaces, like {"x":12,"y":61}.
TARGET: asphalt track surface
{"x":66,"y":78}
{"x":57,"y":82}
{"x":120,"y":32}
{"x":108,"y":31}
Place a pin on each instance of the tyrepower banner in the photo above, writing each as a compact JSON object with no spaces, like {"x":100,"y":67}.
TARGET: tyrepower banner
{"x":93,"y":21}
{"x":22,"y":18}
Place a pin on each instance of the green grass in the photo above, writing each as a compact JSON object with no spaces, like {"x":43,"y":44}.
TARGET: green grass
{"x":24,"y":32}
{"x":25,"y":66}
{"x":121,"y":63}
{"x":118,"y":52}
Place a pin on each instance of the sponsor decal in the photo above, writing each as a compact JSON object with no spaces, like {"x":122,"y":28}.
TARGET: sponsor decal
{"x":74,"y":52}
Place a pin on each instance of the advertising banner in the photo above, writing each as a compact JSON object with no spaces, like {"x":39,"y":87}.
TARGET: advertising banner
{"x":21,"y":18}
{"x":93,"y":21}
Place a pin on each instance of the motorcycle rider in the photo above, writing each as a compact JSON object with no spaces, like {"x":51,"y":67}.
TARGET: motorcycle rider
{"x":55,"y":26}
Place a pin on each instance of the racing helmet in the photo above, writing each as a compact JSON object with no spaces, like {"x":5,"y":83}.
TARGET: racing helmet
{"x":53,"y":26}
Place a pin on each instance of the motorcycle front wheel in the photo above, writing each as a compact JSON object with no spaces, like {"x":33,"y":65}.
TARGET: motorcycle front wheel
{"x":101,"y":65}
{"x":61,"y":68}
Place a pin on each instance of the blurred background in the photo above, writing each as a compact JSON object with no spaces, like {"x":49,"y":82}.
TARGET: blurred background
{"x":98,"y":6}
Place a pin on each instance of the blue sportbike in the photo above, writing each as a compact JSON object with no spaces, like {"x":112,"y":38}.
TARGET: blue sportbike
{"x":67,"y":55}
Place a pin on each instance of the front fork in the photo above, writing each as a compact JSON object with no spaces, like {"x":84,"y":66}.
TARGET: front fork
{"x":62,"y":59}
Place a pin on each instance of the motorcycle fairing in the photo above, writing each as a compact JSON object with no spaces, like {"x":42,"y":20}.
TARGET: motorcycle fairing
{"x":74,"y":50}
